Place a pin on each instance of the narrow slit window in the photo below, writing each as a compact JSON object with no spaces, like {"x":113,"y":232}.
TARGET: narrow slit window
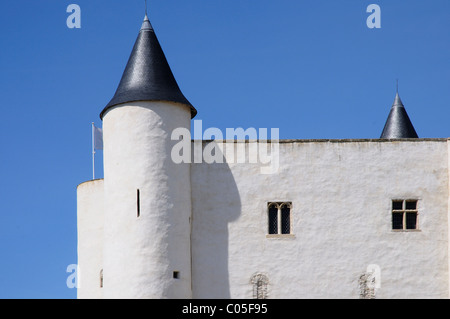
{"x":176,"y":275}
{"x":138,"y":203}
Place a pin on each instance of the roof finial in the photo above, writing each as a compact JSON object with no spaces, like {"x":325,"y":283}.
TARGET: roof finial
{"x":396,"y":79}
{"x":146,"y":25}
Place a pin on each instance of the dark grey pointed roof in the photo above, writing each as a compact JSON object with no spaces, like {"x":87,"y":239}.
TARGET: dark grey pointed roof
{"x":147,"y":76}
{"x":398,"y":124}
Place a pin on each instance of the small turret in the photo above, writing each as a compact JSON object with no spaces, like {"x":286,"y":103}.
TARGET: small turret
{"x":398,"y":124}
{"x":147,"y":76}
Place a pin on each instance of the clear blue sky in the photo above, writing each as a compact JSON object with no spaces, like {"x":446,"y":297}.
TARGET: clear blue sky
{"x":311,"y":68}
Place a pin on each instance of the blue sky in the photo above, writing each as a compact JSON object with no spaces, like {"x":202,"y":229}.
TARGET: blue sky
{"x":311,"y":68}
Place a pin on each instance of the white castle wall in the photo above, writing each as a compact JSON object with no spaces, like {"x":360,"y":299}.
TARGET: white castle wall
{"x":448,"y":221}
{"x":90,"y":238}
{"x":141,"y":253}
{"x":341,"y":193}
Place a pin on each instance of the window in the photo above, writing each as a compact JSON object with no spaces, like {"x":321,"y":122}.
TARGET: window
{"x":259,"y":282}
{"x":279,"y":218}
{"x":367,"y":286}
{"x":404,"y":214}
{"x":273,"y":219}
{"x":138,"y":203}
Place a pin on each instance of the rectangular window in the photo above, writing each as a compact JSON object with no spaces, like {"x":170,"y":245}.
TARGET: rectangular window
{"x":411,"y":220}
{"x":396,"y":204}
{"x":138,"y":203}
{"x":404,"y":214}
{"x":279,"y":218}
{"x":411,"y":205}
{"x":397,"y":221}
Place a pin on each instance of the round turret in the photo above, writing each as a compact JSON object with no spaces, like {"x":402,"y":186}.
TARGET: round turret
{"x":147,"y":196}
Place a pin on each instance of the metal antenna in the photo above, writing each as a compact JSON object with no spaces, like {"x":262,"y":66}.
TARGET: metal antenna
{"x":145,"y":7}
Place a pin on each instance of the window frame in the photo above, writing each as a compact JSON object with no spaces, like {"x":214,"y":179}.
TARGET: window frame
{"x":404,"y":211}
{"x":279,"y":219}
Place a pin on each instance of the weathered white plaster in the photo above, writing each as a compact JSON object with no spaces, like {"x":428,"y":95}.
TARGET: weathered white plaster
{"x":90,"y":238}
{"x":448,"y":221}
{"x":341,"y":194}
{"x":141,"y":253}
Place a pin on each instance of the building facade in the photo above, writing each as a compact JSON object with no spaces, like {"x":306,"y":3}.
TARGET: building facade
{"x":361,"y":218}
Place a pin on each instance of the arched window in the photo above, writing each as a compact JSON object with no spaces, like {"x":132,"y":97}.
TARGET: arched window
{"x":273,"y":218}
{"x":366,"y":286}
{"x":259,"y":282}
{"x":279,"y":218}
{"x":285,"y":218}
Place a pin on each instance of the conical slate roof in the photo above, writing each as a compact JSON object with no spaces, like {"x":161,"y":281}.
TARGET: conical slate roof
{"x":147,"y":76}
{"x":398,"y":124}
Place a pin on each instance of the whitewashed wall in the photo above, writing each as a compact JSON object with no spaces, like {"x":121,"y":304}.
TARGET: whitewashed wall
{"x":141,"y":253}
{"x":341,"y":193}
{"x":90,"y":238}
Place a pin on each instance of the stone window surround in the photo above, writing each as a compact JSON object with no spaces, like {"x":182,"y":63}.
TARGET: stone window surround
{"x":279,"y":204}
{"x":404,"y":211}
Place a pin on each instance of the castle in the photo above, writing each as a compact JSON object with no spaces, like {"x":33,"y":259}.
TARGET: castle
{"x":355,"y":218}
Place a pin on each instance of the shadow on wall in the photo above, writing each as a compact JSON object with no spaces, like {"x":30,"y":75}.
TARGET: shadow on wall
{"x":215,"y":203}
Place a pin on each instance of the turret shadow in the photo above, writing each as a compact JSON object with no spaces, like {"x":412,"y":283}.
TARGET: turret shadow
{"x":215,"y":203}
